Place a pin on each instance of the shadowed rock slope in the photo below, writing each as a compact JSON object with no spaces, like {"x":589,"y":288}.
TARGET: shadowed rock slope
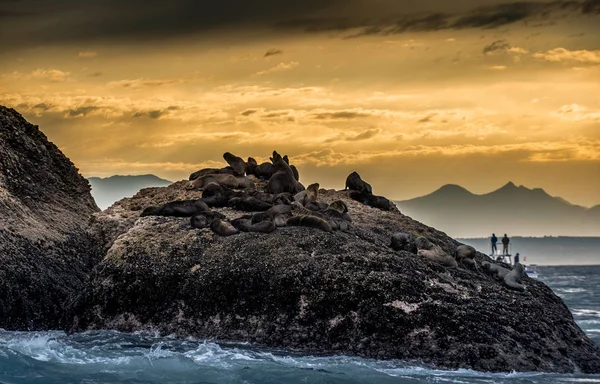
{"x":308,"y":290}
{"x":45,"y":205}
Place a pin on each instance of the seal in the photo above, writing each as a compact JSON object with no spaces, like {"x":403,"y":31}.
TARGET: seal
{"x":215,"y":195}
{"x":495,"y":270}
{"x":354,"y":182}
{"x":203,"y":219}
{"x":210,"y":171}
{"x":181,"y":208}
{"x":284,"y":198}
{"x":511,"y":280}
{"x":242,"y":224}
{"x":266,"y":226}
{"x":339,"y":206}
{"x":309,"y":221}
{"x":292,"y":167}
{"x":439,"y":256}
{"x":223,"y":228}
{"x":280,"y":220}
{"x":423,"y":243}
{"x":403,"y":242}
{"x":237,"y":163}
{"x":371,"y":200}
{"x":249,"y":204}
{"x":283,"y":179}
{"x":263,"y":171}
{"x":316,"y":206}
{"x":465,"y":252}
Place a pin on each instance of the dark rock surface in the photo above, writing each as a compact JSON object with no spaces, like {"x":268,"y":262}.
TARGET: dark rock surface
{"x":308,"y":290}
{"x":45,"y":205}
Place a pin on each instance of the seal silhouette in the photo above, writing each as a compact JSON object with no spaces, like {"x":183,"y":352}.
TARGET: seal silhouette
{"x":356,"y":183}
{"x":309,"y":221}
{"x":223,"y":228}
{"x":283,"y":179}
{"x":181,"y":208}
{"x":512,"y":279}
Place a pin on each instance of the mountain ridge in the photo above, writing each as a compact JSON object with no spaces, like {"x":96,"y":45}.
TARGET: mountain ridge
{"x":510,"y":208}
{"x":107,"y":190}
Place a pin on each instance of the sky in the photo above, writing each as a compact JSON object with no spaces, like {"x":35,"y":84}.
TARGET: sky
{"x":411,"y":94}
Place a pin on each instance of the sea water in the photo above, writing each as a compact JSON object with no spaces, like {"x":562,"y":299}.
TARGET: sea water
{"x":114,"y":357}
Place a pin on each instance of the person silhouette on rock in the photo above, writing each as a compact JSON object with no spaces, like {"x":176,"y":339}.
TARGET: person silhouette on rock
{"x":494,"y":240}
{"x":505,"y":241}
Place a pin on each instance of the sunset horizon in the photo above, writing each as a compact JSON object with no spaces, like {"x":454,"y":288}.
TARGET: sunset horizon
{"x":413,"y":96}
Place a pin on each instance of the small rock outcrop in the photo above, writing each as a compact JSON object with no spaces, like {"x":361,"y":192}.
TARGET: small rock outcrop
{"x":45,"y":205}
{"x":360,"y":289}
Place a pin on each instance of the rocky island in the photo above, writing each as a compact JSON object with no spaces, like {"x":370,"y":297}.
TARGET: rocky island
{"x":255,"y":257}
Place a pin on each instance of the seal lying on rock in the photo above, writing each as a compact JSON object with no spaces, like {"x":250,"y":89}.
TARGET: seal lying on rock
{"x":494,"y":270}
{"x":182,"y":208}
{"x":372,"y":200}
{"x":211,"y":171}
{"x":438,"y":255}
{"x":249,"y":204}
{"x":283,"y":179}
{"x":339,"y":206}
{"x":223,"y":228}
{"x":511,"y":280}
{"x":423,"y":243}
{"x":465,"y":255}
{"x":355,"y":183}
{"x":224,"y":179}
{"x":309,"y":195}
{"x":309,"y":221}
{"x":403,"y":242}
{"x":203,"y":219}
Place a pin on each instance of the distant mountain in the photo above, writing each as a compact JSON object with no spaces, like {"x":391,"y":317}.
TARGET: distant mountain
{"x":511,"y":209}
{"x":108,"y":190}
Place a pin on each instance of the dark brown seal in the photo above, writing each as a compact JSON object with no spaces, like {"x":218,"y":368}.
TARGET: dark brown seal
{"x":309,"y":221}
{"x":182,"y":208}
{"x":355,"y":183}
{"x":223,"y":228}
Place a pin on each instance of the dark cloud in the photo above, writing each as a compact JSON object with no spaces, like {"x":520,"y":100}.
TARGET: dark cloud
{"x":95,"y":74}
{"x":427,"y":118}
{"x":68,"y":21}
{"x":498,"y":45}
{"x":155,"y":114}
{"x":364,"y":135}
{"x":248,"y":112}
{"x":338,"y":115}
{"x":273,"y":52}
{"x":81,"y":111}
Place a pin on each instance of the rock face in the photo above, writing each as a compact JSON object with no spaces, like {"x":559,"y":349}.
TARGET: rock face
{"x":44,"y":208}
{"x":308,"y":290}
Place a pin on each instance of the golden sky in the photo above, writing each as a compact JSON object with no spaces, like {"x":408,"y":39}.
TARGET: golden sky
{"x":411,"y":94}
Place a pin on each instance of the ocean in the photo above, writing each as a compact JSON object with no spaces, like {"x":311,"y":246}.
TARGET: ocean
{"x":113,"y":357}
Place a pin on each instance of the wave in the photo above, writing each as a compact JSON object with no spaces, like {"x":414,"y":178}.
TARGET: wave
{"x":105,"y":356}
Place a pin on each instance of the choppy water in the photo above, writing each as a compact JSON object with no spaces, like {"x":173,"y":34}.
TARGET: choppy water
{"x":112,"y":357}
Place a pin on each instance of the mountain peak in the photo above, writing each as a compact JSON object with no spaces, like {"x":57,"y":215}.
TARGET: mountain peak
{"x":452,"y":189}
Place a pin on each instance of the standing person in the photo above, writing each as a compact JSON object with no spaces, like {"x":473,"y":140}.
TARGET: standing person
{"x":494,"y":240}
{"x":505,"y":241}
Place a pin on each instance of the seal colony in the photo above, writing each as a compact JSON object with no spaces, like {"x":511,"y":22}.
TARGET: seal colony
{"x":273,"y":197}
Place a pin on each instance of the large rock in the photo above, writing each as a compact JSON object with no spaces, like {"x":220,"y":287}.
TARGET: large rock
{"x":45,"y":205}
{"x":308,"y":290}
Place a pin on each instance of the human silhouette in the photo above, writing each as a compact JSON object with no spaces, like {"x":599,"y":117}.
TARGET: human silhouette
{"x":516,"y":257}
{"x":494,"y":240}
{"x":505,"y":241}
